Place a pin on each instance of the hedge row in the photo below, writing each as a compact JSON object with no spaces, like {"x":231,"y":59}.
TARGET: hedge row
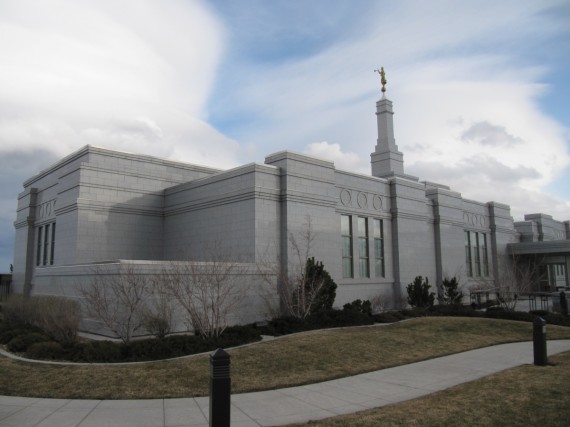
{"x":34,"y":343}
{"x":468,"y":311}
{"x":37,"y":345}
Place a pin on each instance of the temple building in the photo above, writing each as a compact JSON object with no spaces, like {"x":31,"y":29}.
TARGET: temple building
{"x":374,"y":233}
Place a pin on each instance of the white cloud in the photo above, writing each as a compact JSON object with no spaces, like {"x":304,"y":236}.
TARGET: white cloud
{"x":487,"y":180}
{"x":133,"y":75}
{"x":486,"y":133}
{"x":463,"y":95}
{"x":334,"y":153}
{"x":509,"y":106}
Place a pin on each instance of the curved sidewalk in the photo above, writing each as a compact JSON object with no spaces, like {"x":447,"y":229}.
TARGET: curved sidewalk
{"x":278,"y":407}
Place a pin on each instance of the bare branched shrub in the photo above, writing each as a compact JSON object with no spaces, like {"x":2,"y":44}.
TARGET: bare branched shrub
{"x":57,"y":316}
{"x":209,"y":292}
{"x":269,"y":292}
{"x":17,"y":310}
{"x":118,"y":298}
{"x":303,"y":285}
{"x":378,"y":303}
{"x":158,"y":311}
{"x":516,"y":276}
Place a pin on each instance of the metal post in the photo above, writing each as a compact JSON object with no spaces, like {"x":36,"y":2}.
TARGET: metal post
{"x":220,"y":389}
{"x":563,"y":304}
{"x":539,"y":342}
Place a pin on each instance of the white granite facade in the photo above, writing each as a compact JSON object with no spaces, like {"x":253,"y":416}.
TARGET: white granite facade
{"x":99,"y":205}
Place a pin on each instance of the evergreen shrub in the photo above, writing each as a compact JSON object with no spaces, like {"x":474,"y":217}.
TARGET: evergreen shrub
{"x":7,"y":332}
{"x":316,"y":275}
{"x":338,"y":318}
{"x":556,"y":319}
{"x":96,"y":352}
{"x":389,"y":317}
{"x":283,"y":326}
{"x":419,"y":294}
{"x":364,"y":307}
{"x":453,"y":310}
{"x":46,"y":350}
{"x":20,"y":343}
{"x":450,"y":292}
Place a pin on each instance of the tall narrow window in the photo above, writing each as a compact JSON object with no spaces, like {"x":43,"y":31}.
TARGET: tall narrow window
{"x":46,"y":243}
{"x":39,"y":249}
{"x":379,"y":248}
{"x":346,"y":232}
{"x":484,"y":255}
{"x":468,"y":253}
{"x":475,"y":251}
{"x":364,"y":263}
{"x":52,"y":244}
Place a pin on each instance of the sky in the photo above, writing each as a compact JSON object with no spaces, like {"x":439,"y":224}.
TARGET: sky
{"x":480,"y":89}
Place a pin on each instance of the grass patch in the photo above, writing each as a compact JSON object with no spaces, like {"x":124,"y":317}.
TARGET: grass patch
{"x":524,"y":396}
{"x":293,"y":360}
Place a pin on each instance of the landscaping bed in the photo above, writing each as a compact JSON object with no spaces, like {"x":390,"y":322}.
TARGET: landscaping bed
{"x":31,"y":342}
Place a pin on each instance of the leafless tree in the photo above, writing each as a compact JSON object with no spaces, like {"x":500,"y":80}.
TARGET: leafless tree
{"x":378,"y":303}
{"x":209,"y":292}
{"x":158,"y":310}
{"x":118,"y":298}
{"x":517,"y":276}
{"x":57,"y":316}
{"x":299,"y":285}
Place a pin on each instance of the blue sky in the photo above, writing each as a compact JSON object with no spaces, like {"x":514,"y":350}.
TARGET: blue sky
{"x":480,"y":88}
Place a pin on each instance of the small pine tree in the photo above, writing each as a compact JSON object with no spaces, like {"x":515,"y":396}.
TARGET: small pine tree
{"x":450,"y":292}
{"x":318,"y":281}
{"x":419,"y":294}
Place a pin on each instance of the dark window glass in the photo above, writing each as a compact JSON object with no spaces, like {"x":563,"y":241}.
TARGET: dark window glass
{"x":346,"y":236}
{"x":39,"y":249}
{"x":379,"y":247}
{"x":46,"y":244}
{"x":52,"y":249}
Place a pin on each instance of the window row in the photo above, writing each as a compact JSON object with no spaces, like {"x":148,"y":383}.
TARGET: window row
{"x":46,"y":244}
{"x":476,"y":257}
{"x":363,"y":233}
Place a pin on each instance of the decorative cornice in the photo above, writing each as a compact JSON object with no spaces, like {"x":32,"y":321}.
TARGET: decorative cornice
{"x":396,"y":214}
{"x":89,"y":149}
{"x":223,"y":199}
{"x":98,"y":206}
{"x":303,"y":158}
{"x":250,"y":168}
{"x":26,"y":222}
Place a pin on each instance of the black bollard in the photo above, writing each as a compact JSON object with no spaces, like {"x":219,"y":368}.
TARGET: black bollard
{"x":220,"y":389}
{"x":563,"y":304}
{"x":539,"y":342}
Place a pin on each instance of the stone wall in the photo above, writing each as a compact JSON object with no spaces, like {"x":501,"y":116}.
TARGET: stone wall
{"x":258,"y":287}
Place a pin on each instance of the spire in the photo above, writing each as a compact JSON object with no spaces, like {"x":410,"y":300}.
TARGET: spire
{"x":386,"y":160}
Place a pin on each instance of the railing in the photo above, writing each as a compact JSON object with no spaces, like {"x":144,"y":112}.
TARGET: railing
{"x":488,"y":295}
{"x":536,"y":300}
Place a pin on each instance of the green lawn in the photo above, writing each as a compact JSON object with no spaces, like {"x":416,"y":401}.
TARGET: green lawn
{"x":292,"y":360}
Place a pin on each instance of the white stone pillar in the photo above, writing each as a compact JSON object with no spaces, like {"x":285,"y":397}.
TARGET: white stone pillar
{"x":386,"y":160}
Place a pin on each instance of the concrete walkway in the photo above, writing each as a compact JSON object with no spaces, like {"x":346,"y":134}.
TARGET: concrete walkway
{"x":278,"y":407}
